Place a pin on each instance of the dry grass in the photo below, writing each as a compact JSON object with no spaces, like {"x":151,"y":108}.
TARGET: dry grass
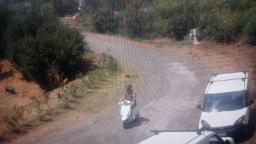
{"x":220,"y":58}
{"x":87,"y":90}
{"x":26,"y":91}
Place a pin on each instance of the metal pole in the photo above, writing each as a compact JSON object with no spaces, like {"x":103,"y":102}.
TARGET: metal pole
{"x":186,"y":15}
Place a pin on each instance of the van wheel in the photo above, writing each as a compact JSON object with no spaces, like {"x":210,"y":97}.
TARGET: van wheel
{"x":247,"y":130}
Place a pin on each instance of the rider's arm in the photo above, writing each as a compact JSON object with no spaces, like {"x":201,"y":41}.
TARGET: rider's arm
{"x":122,"y":98}
{"x":134,"y":97}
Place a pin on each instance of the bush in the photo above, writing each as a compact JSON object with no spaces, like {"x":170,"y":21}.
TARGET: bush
{"x":3,"y":25}
{"x":223,"y":26}
{"x":43,"y":48}
{"x":65,"y":6}
{"x":91,"y":6}
{"x":176,"y":17}
{"x":249,"y":32}
{"x":104,"y":22}
{"x":140,"y":25}
{"x":113,"y":65}
{"x":172,"y":18}
{"x":86,"y":23}
{"x":224,"y":21}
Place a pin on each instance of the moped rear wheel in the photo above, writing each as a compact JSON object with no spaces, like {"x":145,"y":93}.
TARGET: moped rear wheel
{"x":125,"y":125}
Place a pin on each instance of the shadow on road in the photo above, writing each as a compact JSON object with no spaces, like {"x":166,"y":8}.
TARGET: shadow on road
{"x":138,"y":122}
{"x":252,"y":126}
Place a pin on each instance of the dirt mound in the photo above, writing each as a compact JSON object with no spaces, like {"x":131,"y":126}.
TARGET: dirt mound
{"x":22,"y":91}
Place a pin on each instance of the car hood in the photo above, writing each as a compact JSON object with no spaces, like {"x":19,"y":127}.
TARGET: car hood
{"x":223,"y":118}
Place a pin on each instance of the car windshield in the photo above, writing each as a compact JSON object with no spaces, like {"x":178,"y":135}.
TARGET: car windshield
{"x":225,"y":101}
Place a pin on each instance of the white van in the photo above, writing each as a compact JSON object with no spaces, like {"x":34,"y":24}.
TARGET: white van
{"x":226,"y":107}
{"x":187,"y":137}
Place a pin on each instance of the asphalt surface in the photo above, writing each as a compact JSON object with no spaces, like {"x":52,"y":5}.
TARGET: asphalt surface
{"x":170,"y":87}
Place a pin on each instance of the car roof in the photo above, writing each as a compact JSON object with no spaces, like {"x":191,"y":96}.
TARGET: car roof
{"x":176,"y":138}
{"x":229,"y":82}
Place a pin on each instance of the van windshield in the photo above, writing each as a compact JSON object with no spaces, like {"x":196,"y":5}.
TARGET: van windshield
{"x":228,"y":101}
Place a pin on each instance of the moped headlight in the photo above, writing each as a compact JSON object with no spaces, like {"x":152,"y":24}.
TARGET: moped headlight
{"x":240,"y":120}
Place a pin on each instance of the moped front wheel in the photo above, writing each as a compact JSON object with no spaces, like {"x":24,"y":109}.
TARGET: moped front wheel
{"x":125,"y":125}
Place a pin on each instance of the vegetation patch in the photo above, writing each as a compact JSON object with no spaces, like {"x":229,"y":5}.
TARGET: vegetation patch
{"x":107,"y":66}
{"x":224,"y":21}
{"x":38,"y":44}
{"x":68,"y":97}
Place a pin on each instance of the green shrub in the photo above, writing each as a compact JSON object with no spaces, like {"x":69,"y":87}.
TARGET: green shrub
{"x":172,"y":18}
{"x":224,"y":21}
{"x":239,"y":5}
{"x":3,"y":25}
{"x":112,"y":64}
{"x":140,"y":25}
{"x":65,"y":6}
{"x":223,"y":26}
{"x":249,"y":32}
{"x":86,"y":23}
{"x":177,"y":17}
{"x":91,"y":6}
{"x":105,"y":22}
{"x":42,"y":47}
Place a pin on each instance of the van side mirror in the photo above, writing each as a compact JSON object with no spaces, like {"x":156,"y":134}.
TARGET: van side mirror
{"x":199,"y":107}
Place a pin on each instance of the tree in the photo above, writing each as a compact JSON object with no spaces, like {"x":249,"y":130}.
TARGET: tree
{"x":105,"y":22}
{"x":3,"y":25}
{"x":91,"y":6}
{"x":249,"y":32}
{"x":139,"y":21}
{"x":41,"y":47}
{"x":65,"y":6}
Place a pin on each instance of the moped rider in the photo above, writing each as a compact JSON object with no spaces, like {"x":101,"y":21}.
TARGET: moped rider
{"x":130,"y":96}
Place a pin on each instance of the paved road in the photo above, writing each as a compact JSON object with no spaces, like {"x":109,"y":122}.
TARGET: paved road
{"x":170,"y":87}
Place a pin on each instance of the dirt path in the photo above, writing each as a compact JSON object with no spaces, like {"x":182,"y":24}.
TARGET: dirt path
{"x":171,"y":85}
